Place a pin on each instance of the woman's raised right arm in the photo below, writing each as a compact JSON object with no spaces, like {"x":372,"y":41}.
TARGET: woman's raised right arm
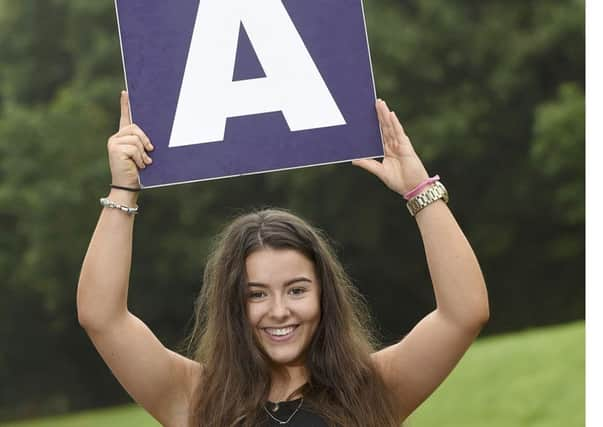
{"x":103,"y":287}
{"x":160,"y":380}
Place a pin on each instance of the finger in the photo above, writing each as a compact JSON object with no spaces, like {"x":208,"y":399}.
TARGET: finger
{"x":398,"y":132}
{"x":404,"y":139}
{"x":124,"y":119}
{"x":385,"y":122}
{"x":134,"y":153}
{"x":387,"y":113}
{"x":135,"y":141}
{"x":398,"y":127}
{"x":397,"y":123}
{"x":370,"y":165}
{"x":379,"y":108}
{"x":133,"y":129}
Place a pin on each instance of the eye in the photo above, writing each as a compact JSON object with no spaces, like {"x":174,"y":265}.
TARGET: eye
{"x":298,"y":291}
{"x":256,"y":294}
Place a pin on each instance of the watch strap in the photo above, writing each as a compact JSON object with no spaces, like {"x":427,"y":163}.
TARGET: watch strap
{"x":435,"y":192}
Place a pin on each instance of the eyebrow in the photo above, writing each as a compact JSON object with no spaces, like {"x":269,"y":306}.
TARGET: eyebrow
{"x":287,"y":283}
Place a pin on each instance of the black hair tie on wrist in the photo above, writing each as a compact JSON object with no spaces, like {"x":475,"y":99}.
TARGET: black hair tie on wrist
{"x":119,"y":187}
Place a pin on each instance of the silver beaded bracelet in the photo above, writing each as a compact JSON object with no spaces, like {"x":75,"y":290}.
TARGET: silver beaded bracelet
{"x":106,"y":203}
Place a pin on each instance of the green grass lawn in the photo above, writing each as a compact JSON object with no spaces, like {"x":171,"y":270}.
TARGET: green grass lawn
{"x":528,"y":379}
{"x":532,"y":379}
{"x":125,"y":416}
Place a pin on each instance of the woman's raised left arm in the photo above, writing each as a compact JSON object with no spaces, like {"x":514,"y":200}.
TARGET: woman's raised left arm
{"x":417,"y":365}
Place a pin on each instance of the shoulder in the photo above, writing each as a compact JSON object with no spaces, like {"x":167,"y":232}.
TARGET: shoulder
{"x":414,"y":367}
{"x":188,"y":374}
{"x":193,"y":372}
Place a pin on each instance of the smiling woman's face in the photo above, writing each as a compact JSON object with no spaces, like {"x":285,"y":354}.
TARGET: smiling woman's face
{"x":283,"y":303}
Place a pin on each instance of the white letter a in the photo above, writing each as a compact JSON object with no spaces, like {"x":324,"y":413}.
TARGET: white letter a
{"x":208,"y":95}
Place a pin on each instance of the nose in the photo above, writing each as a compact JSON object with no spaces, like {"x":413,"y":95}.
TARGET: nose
{"x":279,"y":308}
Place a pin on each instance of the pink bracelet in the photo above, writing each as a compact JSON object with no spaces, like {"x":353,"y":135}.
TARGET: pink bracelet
{"x":412,"y":193}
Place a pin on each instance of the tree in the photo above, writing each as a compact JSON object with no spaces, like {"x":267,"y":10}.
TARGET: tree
{"x":491,"y":93}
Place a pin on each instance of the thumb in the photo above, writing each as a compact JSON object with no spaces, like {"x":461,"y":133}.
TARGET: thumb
{"x":372,"y":166}
{"x":124,"y":119}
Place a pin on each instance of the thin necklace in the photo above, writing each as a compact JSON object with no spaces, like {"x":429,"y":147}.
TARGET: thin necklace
{"x":288,"y":419}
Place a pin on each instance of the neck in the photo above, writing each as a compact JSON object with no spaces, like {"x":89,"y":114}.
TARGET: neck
{"x":285,"y":381}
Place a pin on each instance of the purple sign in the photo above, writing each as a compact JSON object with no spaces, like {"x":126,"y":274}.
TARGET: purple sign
{"x":234,"y":87}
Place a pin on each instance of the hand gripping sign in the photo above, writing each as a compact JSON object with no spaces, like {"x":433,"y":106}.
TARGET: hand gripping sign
{"x":233,"y":87}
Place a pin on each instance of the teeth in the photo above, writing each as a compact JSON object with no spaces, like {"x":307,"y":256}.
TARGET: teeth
{"x":280,"y":332}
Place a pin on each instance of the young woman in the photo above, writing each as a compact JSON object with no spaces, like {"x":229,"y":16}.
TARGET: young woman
{"x":281,"y":336}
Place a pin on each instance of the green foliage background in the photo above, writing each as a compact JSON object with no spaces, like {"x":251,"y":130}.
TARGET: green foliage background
{"x":491,"y":93}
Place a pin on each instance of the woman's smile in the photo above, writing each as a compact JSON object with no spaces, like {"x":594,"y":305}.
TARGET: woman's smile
{"x":281,"y":334}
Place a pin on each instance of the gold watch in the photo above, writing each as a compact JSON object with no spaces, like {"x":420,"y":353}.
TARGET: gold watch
{"x":436,"y":192}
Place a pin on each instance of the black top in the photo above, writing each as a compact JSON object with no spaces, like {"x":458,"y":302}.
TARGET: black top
{"x":284,"y":410}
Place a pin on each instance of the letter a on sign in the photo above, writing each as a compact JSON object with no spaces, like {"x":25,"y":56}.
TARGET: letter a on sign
{"x":234,"y":87}
{"x":293,"y":84}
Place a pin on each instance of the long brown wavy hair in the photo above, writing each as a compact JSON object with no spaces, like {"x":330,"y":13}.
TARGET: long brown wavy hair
{"x":343,"y":386}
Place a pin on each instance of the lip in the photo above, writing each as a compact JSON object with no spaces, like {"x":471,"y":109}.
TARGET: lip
{"x":287,"y":337}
